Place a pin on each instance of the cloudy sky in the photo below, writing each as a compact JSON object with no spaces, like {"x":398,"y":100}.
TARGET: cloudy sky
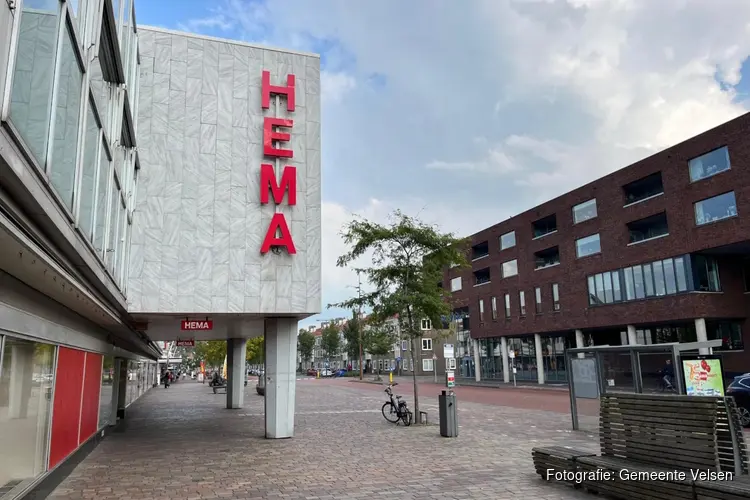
{"x":468,"y":112}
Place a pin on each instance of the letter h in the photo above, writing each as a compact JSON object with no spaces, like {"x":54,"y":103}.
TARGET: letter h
{"x":267,"y":89}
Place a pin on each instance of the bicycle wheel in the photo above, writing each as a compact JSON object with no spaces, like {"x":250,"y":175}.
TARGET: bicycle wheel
{"x":407,"y":417}
{"x":389,"y":412}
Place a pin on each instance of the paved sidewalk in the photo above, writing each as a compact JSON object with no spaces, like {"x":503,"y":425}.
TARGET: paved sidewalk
{"x":182,"y":444}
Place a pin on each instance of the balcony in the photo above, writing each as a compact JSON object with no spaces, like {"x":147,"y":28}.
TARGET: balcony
{"x":649,"y":228}
{"x":544,"y":226}
{"x":480,"y":250}
{"x":547,"y":258}
{"x":643,"y":189}
{"x":482,"y":276}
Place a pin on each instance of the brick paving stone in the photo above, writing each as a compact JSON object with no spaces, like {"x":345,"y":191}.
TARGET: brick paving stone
{"x":181,"y":443}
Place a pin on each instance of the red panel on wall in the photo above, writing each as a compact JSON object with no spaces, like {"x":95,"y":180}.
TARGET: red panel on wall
{"x":92,"y":384}
{"x":66,"y":409}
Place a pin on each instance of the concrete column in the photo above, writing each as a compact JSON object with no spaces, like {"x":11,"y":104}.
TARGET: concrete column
{"x":580,"y":342}
{"x":236,"y":373}
{"x":280,"y":354}
{"x":632,"y":338}
{"x":701,"y":334}
{"x":506,"y":365}
{"x":477,"y":361}
{"x":539,"y":358}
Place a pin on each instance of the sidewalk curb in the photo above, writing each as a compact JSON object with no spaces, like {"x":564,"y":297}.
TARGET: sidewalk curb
{"x":373,"y":382}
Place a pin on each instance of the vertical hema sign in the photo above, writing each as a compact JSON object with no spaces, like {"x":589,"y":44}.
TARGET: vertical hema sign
{"x":278,"y":234}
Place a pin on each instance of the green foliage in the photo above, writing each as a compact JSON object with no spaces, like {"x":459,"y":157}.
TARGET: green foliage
{"x":408,"y":260}
{"x":380,"y":339}
{"x":353,"y":336}
{"x":212,"y":352}
{"x":254,"y":351}
{"x":306,"y":345}
{"x":330,"y":340}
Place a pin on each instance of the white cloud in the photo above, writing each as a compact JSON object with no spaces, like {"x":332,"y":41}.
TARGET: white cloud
{"x":491,"y":106}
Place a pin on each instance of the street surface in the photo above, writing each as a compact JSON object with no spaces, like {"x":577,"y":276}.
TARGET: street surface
{"x":181,"y":443}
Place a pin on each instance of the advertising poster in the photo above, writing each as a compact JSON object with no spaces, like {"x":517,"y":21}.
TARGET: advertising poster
{"x":703,"y":377}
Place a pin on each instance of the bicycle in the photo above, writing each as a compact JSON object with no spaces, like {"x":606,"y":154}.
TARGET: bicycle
{"x":396,"y":410}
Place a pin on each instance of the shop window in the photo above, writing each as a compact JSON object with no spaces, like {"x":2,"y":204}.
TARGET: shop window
{"x":493,"y":302}
{"x":105,"y":396}
{"x":715,"y":209}
{"x":510,"y":268}
{"x":729,"y":332}
{"x":589,"y":245}
{"x":31,"y":94}
{"x":507,"y":306}
{"x":709,"y":164}
{"x":62,"y":165}
{"x":522,"y":302}
{"x":427,"y":365}
{"x":426,"y":344}
{"x":584,"y":211}
{"x":538,"y":299}
{"x":26,"y":383}
{"x":508,"y":240}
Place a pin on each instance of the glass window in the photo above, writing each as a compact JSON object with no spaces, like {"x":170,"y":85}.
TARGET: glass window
{"x":629,"y":283}
{"x":426,"y":365}
{"x":103,"y":180}
{"x":481,"y":309}
{"x":608,"y":295}
{"x":729,"y":332}
{"x":659,"y":283}
{"x":455,"y":282}
{"x":669,"y":277}
{"x":522,"y":302}
{"x":640,"y":290}
{"x":709,"y":164}
{"x":507,"y":305}
{"x":589,"y":245}
{"x":114,"y":202}
{"x":555,"y":296}
{"x":599,"y":279}
{"x":538,"y":299}
{"x":88,"y":174}
{"x":592,"y":291}
{"x":68,"y":105}
{"x":31,"y":94}
{"x":508,"y":240}
{"x":426,"y":344}
{"x":706,"y":274}
{"x":617,"y":292}
{"x":715,"y":209}
{"x":679,"y":267}
{"x":121,"y":237}
{"x":100,"y":89}
{"x":105,"y":396}
{"x":510,"y":268}
{"x":584,"y":211}
{"x":648,"y":280}
{"x":116,"y":12}
{"x":494,"y":307}
{"x":26,"y":383}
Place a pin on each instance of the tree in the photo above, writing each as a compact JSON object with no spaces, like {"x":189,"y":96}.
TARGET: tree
{"x":380,"y":339}
{"x":306,"y":345}
{"x":254,"y":351}
{"x":212,"y":352}
{"x":354,"y":336}
{"x":408,"y":260}
{"x":330,"y":340}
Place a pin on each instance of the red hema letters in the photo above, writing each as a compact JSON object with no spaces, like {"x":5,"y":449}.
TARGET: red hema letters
{"x":278,"y":234}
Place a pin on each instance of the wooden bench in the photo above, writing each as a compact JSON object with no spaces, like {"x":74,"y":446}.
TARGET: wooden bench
{"x":553,"y":459}
{"x":218,"y":388}
{"x":642,"y":433}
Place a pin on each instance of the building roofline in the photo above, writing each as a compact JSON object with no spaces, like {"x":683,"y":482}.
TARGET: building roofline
{"x":226,"y":40}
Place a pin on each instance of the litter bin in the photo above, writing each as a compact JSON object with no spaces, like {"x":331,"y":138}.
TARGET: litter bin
{"x":260,"y":387}
{"x":448,"y":414}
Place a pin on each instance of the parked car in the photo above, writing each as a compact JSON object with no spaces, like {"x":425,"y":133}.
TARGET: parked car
{"x":340,"y":373}
{"x":312,"y":372}
{"x":740,"y":389}
{"x":326,"y":372}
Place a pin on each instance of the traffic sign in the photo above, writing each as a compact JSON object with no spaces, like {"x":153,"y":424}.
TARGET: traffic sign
{"x":434,"y":356}
{"x":511,"y":353}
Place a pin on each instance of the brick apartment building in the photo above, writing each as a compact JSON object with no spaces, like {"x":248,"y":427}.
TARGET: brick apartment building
{"x":655,"y":252}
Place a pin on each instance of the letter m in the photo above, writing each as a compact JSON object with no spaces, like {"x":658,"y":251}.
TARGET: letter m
{"x":287,"y":183}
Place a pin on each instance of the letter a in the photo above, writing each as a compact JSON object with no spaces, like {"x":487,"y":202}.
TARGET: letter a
{"x":285,"y":240}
